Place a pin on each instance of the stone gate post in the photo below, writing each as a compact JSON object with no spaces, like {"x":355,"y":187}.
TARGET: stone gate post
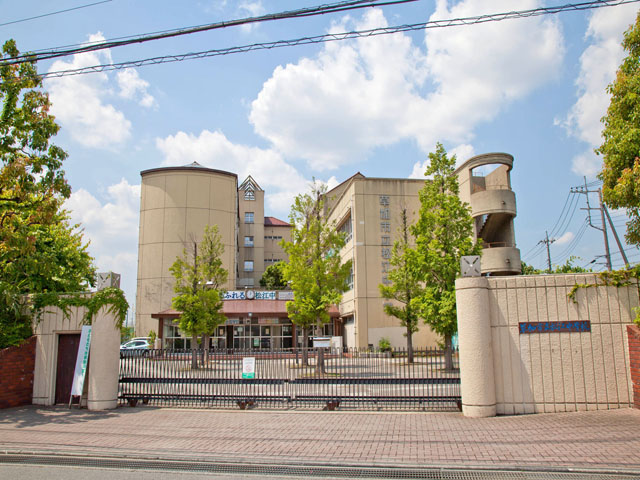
{"x":104,"y":362}
{"x":476,"y":352}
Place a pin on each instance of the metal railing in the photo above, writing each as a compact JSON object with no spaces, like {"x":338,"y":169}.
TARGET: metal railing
{"x":351,"y":378}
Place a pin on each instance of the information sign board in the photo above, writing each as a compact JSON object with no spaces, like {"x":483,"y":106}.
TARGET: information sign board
{"x":249,"y":367}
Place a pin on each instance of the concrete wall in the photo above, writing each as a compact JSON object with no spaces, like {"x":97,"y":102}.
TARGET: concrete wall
{"x":16,"y":374}
{"x":103,"y":357}
{"x":511,"y":373}
{"x":633,"y":333}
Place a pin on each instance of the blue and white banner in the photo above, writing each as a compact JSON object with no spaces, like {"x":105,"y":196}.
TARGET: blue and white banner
{"x":81,"y":361}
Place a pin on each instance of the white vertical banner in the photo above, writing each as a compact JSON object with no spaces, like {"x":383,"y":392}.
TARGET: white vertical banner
{"x":249,"y":367}
{"x":81,"y":362}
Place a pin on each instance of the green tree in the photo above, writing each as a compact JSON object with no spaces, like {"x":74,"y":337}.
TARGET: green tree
{"x":314,"y":271}
{"x":406,"y":285}
{"x":200,"y":277}
{"x":273,"y":276}
{"x":566,"y":267}
{"x":39,"y":250}
{"x":621,"y":137}
{"x":444,"y":233}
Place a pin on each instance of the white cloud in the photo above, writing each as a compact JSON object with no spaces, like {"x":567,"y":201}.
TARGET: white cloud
{"x":81,"y":103}
{"x":133,"y":87}
{"x":598,"y":64}
{"x":112,"y":227}
{"x":376,"y":91}
{"x":564,"y":239}
{"x":280,"y":180}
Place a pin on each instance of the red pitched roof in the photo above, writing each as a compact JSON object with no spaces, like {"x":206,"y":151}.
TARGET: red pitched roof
{"x":275,"y":222}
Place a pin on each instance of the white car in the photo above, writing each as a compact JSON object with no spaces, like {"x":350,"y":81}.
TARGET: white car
{"x":135,"y":347}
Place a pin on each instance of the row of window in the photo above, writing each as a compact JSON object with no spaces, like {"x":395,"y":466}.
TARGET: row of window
{"x":248,"y":240}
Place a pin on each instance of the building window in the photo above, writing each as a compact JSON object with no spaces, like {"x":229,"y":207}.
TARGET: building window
{"x":272,"y":260}
{"x":248,"y":266}
{"x":248,"y":217}
{"x":248,"y":241}
{"x":346,"y":229}
{"x":249,"y":195}
{"x":350,"y":279}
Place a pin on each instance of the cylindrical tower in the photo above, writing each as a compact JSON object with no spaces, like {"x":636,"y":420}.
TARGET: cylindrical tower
{"x":175,"y":206}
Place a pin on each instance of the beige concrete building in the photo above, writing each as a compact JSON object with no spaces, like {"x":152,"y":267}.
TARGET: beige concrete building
{"x":369,"y":210}
{"x":177,"y":203}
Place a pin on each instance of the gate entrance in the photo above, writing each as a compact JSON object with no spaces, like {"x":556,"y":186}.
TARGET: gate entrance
{"x":350,"y":379}
{"x":66,"y":364}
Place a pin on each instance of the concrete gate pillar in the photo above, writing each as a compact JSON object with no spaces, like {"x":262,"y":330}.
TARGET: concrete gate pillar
{"x":476,"y":353}
{"x":104,"y":362}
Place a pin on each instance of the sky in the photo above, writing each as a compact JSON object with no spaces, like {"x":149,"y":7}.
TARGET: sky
{"x":531,"y":87}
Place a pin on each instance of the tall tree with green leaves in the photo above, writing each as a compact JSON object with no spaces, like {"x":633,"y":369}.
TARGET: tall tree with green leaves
{"x":314,"y":271}
{"x":444,"y":233}
{"x":273,"y":276}
{"x":200,"y":278}
{"x":621,"y":137}
{"x":40,"y":251}
{"x":406,"y":286}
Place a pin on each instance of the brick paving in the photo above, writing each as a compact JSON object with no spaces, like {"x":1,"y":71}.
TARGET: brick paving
{"x":599,"y":440}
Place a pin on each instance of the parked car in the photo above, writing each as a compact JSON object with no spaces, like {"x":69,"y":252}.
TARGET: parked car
{"x":135,"y":347}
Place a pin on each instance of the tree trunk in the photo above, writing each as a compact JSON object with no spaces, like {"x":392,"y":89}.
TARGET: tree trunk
{"x":205,"y":355}
{"x":409,"y":345}
{"x":194,"y":352}
{"x":320,"y":362}
{"x":305,"y":353}
{"x":448,"y":353}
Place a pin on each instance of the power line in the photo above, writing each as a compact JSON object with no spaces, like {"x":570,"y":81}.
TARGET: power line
{"x":568,"y":217}
{"x":342,"y":6}
{"x":54,"y":13}
{"x":340,"y":36}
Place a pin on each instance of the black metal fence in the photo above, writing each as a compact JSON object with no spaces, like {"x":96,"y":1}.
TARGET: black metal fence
{"x":361,"y":379}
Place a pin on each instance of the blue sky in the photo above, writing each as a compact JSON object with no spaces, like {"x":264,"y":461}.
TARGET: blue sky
{"x":534,"y":88}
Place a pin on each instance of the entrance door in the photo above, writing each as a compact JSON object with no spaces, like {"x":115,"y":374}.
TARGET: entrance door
{"x":67,"y":353}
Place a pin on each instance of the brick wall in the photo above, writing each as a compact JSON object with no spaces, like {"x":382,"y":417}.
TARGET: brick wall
{"x":633,"y":334}
{"x":16,"y":374}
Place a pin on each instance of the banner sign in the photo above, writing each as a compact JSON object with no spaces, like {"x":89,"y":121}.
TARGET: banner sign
{"x":249,"y":367}
{"x":234,"y":295}
{"x":257,"y":295}
{"x":265,"y":295}
{"x":285,"y":295}
{"x":81,"y":361}
{"x":555,"y":327}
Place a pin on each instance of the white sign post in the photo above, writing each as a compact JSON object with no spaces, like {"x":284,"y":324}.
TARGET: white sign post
{"x":249,"y":367}
{"x":81,"y":363}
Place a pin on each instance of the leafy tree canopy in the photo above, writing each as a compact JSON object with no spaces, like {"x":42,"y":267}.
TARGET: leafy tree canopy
{"x":406,"y":286}
{"x":444,"y":233}
{"x":315,"y":270}
{"x":566,"y":267}
{"x":273,"y":276}
{"x":39,"y":250}
{"x":200,"y":278}
{"x":621,"y":145}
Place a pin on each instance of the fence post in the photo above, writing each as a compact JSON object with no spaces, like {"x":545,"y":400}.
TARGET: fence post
{"x":477,"y":382}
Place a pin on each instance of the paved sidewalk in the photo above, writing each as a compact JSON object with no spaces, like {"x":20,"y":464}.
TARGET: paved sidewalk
{"x":594,"y":440}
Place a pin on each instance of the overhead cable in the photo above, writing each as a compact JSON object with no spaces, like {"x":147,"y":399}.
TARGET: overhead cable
{"x":330,"y":37}
{"x":54,"y":13}
{"x":137,"y":39}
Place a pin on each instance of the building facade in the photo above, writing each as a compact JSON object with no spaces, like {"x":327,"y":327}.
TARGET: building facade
{"x":178,"y":202}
